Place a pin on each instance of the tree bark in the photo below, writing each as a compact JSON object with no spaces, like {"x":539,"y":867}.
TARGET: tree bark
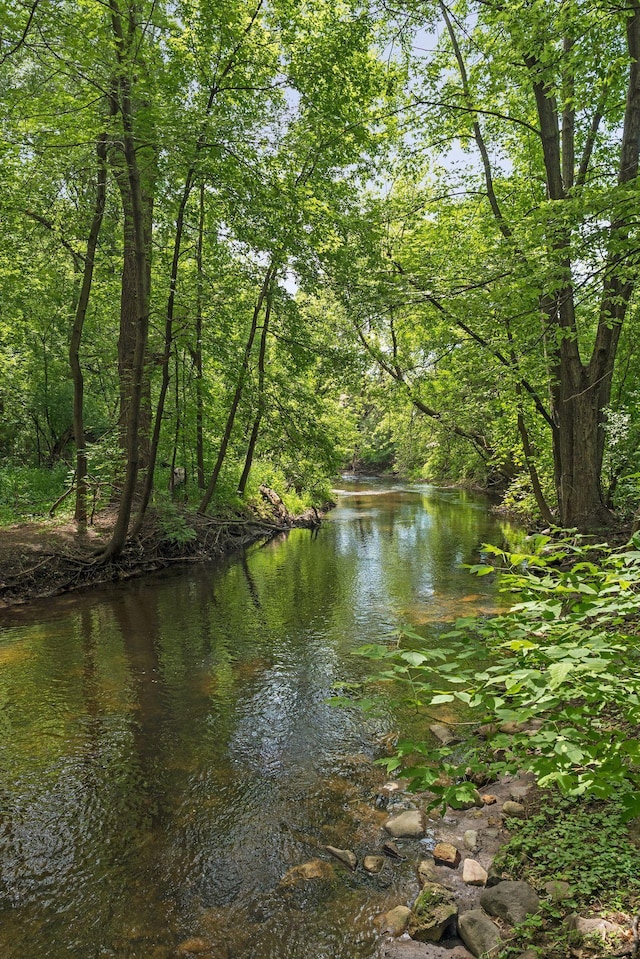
{"x":125,"y":108}
{"x":226,"y":436}
{"x":76,"y":333}
{"x":255,"y":431}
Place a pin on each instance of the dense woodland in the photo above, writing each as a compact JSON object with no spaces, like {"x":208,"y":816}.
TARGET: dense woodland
{"x":259,"y":242}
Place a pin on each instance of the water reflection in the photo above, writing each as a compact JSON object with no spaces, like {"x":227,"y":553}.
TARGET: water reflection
{"x":167,"y":752}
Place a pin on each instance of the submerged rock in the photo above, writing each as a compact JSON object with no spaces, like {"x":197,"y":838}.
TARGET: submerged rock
{"x":315,"y":869}
{"x":443,"y":733}
{"x":194,"y":947}
{"x":395,"y":921}
{"x":390,"y":849}
{"x":427,"y":872}
{"x":433,"y":912}
{"x":408,"y":825}
{"x":478,"y":932}
{"x":345,"y":856}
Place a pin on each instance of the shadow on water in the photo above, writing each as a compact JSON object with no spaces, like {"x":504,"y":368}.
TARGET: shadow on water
{"x":167,"y":753}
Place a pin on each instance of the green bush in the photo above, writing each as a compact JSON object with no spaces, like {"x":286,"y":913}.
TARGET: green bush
{"x":567,"y":654}
{"x":27,"y":492}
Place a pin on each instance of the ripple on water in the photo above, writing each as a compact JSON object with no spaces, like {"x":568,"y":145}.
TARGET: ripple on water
{"x":167,"y":753}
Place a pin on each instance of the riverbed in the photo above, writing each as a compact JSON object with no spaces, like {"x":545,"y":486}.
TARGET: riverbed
{"x":168,"y":753}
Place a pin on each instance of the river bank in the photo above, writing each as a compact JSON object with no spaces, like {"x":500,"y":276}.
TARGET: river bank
{"x":506,"y":876}
{"x":47,"y":558}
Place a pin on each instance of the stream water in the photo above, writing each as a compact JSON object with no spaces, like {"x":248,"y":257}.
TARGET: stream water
{"x":167,"y":752}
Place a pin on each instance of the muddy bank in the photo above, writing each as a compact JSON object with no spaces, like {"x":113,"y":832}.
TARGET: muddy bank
{"x":42,"y":559}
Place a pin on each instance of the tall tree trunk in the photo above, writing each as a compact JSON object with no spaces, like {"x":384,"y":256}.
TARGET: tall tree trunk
{"x":579,"y":392}
{"x":129,"y":313}
{"x":237,"y":396}
{"x":197,"y":356}
{"x":76,"y":333}
{"x":141,"y":250}
{"x":255,"y":430}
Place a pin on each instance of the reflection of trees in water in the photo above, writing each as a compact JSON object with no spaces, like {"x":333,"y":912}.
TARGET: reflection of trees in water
{"x":192,"y":706}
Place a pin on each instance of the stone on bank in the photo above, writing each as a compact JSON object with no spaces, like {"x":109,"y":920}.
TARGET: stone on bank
{"x":433,"y":912}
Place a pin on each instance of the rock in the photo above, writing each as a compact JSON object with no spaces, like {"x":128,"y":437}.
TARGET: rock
{"x":594,"y":926}
{"x":511,"y":901}
{"x":410,"y":949}
{"x":477,"y":932}
{"x":511,"y":728}
{"x":345,"y":856}
{"x":487,"y":731}
{"x":514,"y":809}
{"x":394,"y":922}
{"x":194,"y":947}
{"x":408,"y":825}
{"x":489,"y":799}
{"x":391,"y":850}
{"x":529,"y":954}
{"x":446,"y":854}
{"x":494,"y":875}
{"x":427,"y":872}
{"x":443,"y":733}
{"x":433,"y":912}
{"x":558,"y":890}
{"x":373,"y":864}
{"x":470,"y":839}
{"x":315,"y":869}
{"x":473,"y":873}
{"x":518,"y":793}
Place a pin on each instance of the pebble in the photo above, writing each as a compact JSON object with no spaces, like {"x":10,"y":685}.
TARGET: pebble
{"x":446,"y":854}
{"x":558,"y":890}
{"x":193,"y":947}
{"x":470,"y":839}
{"x":345,"y":856}
{"x":442,"y":733}
{"x":408,"y":825}
{"x":373,"y":864}
{"x":514,"y":809}
{"x":391,"y":850}
{"x":395,"y":921}
{"x":473,"y":873}
{"x":427,"y":871}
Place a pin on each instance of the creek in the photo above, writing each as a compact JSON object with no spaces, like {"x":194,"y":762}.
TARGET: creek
{"x":167,"y":751}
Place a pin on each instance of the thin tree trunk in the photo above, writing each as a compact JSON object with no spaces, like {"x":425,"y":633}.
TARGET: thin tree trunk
{"x":226,"y":436}
{"x":197,"y":357}
{"x":76,"y":334}
{"x":255,"y":431}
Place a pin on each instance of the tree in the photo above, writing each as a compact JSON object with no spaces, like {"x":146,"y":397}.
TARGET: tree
{"x":543,"y":101}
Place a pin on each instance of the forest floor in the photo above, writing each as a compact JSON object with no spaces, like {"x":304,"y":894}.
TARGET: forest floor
{"x":47,"y":557}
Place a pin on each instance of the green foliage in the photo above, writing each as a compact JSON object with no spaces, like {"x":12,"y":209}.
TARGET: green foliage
{"x":29,"y":492}
{"x":565,"y":659}
{"x":174,"y":524}
{"x":550,"y":845}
